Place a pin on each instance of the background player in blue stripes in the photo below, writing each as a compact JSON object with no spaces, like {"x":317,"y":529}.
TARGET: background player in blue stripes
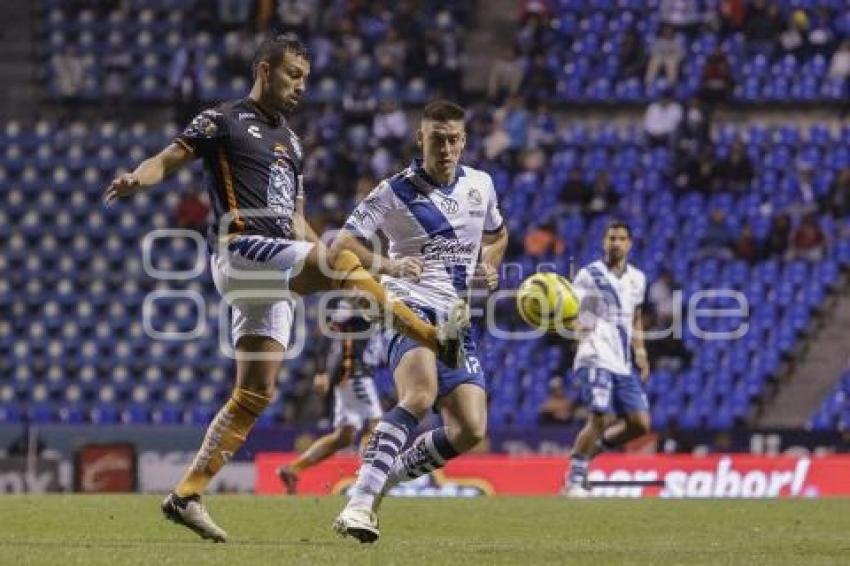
{"x":609,"y":325}
{"x":443,"y":218}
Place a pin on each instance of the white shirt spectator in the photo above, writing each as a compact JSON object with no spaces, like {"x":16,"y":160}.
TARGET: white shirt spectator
{"x":663,"y":118}
{"x":390,"y":124}
{"x":840,"y":66}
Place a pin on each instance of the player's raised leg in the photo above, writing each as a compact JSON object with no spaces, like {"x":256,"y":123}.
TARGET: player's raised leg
{"x":416,"y":381}
{"x":255,"y":381}
{"x":340,"y":268}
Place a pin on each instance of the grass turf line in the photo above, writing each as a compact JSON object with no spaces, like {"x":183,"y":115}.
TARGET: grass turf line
{"x":128,"y":529}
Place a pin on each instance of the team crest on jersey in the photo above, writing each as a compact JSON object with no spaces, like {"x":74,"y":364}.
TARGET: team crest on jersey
{"x":203,"y":125}
{"x":449,"y":205}
{"x":279,"y":150}
{"x":475,"y":196}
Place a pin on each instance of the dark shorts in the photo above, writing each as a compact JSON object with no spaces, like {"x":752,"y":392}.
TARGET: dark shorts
{"x":447,"y":378}
{"x":606,"y":392}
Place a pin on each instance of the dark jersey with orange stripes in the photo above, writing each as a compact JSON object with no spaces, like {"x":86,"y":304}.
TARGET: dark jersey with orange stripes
{"x":252,"y":168}
{"x":347,"y":358}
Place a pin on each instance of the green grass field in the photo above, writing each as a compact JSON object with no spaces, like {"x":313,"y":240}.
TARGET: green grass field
{"x":121,"y":530}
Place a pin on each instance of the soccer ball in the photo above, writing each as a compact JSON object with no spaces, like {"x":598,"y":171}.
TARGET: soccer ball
{"x":547,"y":301}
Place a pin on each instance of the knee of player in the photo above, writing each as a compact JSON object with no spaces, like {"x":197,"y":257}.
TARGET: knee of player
{"x":640,"y":424}
{"x":474,"y":434}
{"x":418,"y":403}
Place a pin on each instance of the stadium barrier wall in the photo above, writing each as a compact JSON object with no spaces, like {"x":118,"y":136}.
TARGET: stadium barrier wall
{"x":681,"y":476}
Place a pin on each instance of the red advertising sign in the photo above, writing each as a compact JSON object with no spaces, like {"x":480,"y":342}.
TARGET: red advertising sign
{"x":613,"y":475}
{"x":105,"y":468}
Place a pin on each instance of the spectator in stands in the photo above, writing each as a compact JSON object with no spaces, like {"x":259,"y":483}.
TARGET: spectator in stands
{"x":663,"y":118}
{"x":662,"y":300}
{"x":681,"y":15}
{"x":732,"y":16}
{"x":747,"y":247}
{"x":762,"y":26}
{"x":239,"y":48}
{"x":557,"y":408}
{"x":390,"y":54}
{"x":716,"y":83}
{"x":795,"y":38}
{"x":717,"y":241}
{"x":821,"y":37}
{"x":575,"y":193}
{"x":806,"y":200}
{"x":699,"y":172}
{"x":542,"y":241}
{"x":779,"y":236}
{"x":359,"y":104}
{"x":497,"y":141}
{"x":808,"y":241}
{"x":543,"y":132}
{"x":666,"y":53}
{"x":632,"y":55}
{"x":506,"y":73}
{"x":70,"y":70}
{"x":536,"y":8}
{"x":390,"y":124}
{"x":294,"y":16}
{"x":192,"y":211}
{"x":233,"y":13}
{"x":539,"y":82}
{"x":839,"y":68}
{"x":602,"y":199}
{"x":515,"y":121}
{"x":695,"y":126}
{"x":838,"y":200}
{"x":735,"y":173}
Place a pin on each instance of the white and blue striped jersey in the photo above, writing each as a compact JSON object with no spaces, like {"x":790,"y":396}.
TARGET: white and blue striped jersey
{"x":441,"y":225}
{"x":608,"y":304}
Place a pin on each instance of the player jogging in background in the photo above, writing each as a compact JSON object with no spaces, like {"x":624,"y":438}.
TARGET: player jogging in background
{"x":261,"y":246}
{"x":444,"y":215}
{"x":349,"y":369}
{"x":609,"y":325}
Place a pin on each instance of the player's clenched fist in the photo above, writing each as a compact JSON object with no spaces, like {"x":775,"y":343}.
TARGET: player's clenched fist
{"x":406,"y":268}
{"x":123,"y":186}
{"x":486,"y":276}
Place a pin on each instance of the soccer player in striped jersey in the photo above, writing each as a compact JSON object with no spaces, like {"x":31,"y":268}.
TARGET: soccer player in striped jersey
{"x":444,"y":219}
{"x":611,"y":291}
{"x":348,"y":368}
{"x":261,"y":246}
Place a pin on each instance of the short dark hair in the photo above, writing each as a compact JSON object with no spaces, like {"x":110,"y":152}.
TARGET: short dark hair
{"x":273,"y":49}
{"x":443,"y":111}
{"x":617,"y":223}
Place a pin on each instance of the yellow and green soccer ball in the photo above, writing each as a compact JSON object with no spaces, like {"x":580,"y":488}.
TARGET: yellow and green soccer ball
{"x":547,"y":301}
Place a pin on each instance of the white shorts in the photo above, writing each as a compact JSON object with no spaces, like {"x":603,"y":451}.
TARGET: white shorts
{"x":249,"y":276}
{"x":356,"y":401}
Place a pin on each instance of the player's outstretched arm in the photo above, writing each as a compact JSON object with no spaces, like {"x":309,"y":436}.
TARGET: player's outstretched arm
{"x":407,"y":267}
{"x":151,"y":171}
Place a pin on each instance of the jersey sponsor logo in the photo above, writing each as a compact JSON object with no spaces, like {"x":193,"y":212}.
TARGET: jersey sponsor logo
{"x":246,"y":116}
{"x":255,"y":131}
{"x":449,"y":205}
{"x":449,"y":251}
